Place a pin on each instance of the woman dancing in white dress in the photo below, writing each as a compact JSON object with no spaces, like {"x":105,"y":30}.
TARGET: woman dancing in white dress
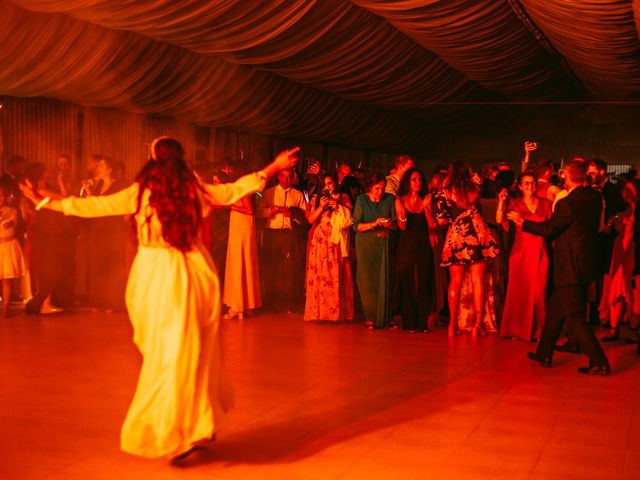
{"x":172,"y":297}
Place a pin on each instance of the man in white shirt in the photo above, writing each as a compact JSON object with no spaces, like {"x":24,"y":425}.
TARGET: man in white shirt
{"x":284,"y":209}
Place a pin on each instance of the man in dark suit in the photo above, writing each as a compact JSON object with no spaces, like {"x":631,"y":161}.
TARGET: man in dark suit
{"x":613,"y":205}
{"x":574,"y":228}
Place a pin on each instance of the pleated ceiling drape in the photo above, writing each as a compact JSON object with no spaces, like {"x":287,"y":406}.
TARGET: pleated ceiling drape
{"x":441,"y":78}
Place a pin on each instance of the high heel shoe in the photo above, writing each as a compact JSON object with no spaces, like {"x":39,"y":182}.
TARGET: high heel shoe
{"x":453,"y":330}
{"x":478,"y":330}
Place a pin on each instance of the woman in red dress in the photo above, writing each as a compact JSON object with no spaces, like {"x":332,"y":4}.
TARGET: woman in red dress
{"x":525,"y":303}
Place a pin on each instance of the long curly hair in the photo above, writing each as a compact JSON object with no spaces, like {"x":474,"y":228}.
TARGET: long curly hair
{"x":405,"y":183}
{"x":460,"y":182}
{"x":174,"y":193}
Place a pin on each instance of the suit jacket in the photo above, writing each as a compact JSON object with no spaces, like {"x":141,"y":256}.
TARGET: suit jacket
{"x":574,"y":229}
{"x":613,"y":201}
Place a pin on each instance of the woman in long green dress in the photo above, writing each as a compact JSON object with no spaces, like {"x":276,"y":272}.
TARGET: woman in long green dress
{"x":373,"y":216}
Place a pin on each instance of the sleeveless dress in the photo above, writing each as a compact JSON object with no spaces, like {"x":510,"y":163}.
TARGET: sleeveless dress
{"x":173,"y":300}
{"x":415,"y":273}
{"x":525,"y":302}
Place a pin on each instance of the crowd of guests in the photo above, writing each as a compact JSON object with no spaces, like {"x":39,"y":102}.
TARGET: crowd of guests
{"x":52,"y":262}
{"x":393,"y":249}
{"x":482,"y":248}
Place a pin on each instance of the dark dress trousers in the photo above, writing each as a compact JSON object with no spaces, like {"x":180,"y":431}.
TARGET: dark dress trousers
{"x":573,"y":228}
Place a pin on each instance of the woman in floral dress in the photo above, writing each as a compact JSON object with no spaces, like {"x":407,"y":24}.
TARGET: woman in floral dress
{"x":329,"y":283}
{"x":468,"y":242}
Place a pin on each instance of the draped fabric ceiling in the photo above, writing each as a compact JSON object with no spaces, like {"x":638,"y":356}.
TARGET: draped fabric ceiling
{"x":403,"y":75}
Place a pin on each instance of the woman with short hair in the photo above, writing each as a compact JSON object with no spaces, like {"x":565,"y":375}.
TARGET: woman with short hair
{"x":373,"y":216}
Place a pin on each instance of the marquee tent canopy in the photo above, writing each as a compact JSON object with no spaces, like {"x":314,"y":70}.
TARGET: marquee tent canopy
{"x":393,"y":75}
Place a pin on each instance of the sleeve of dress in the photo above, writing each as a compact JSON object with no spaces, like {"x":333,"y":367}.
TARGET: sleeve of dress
{"x":230,"y":193}
{"x":357,"y":214}
{"x":392,"y":208}
{"x":123,"y":202}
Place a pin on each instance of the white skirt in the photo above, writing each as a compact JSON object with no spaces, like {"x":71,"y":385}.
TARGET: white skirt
{"x":173,"y":301}
{"x":11,"y":260}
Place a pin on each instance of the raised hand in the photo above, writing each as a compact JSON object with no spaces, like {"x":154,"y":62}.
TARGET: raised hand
{"x":530,"y":146}
{"x":30,"y":192}
{"x":287,"y":158}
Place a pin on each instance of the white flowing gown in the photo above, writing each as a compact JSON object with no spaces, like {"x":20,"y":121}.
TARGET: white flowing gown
{"x":173,"y":300}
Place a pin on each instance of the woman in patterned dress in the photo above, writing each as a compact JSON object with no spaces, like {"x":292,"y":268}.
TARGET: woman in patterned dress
{"x":329,"y":285}
{"x":468,"y":242}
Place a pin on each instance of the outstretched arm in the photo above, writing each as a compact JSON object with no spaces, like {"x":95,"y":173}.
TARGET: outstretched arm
{"x":230,"y":193}
{"x":123,"y":202}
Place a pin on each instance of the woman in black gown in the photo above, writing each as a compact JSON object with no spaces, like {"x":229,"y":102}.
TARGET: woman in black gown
{"x":414,"y":258}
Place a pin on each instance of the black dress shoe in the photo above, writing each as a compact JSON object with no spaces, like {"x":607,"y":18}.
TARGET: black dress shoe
{"x":545,"y":362}
{"x":568,"y":347}
{"x":601,"y":370}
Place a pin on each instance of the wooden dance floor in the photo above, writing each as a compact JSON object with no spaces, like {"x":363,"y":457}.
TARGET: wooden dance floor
{"x":318,"y":401}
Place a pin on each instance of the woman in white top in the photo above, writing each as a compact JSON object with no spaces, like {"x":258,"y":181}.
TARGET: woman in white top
{"x":11,"y":259}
